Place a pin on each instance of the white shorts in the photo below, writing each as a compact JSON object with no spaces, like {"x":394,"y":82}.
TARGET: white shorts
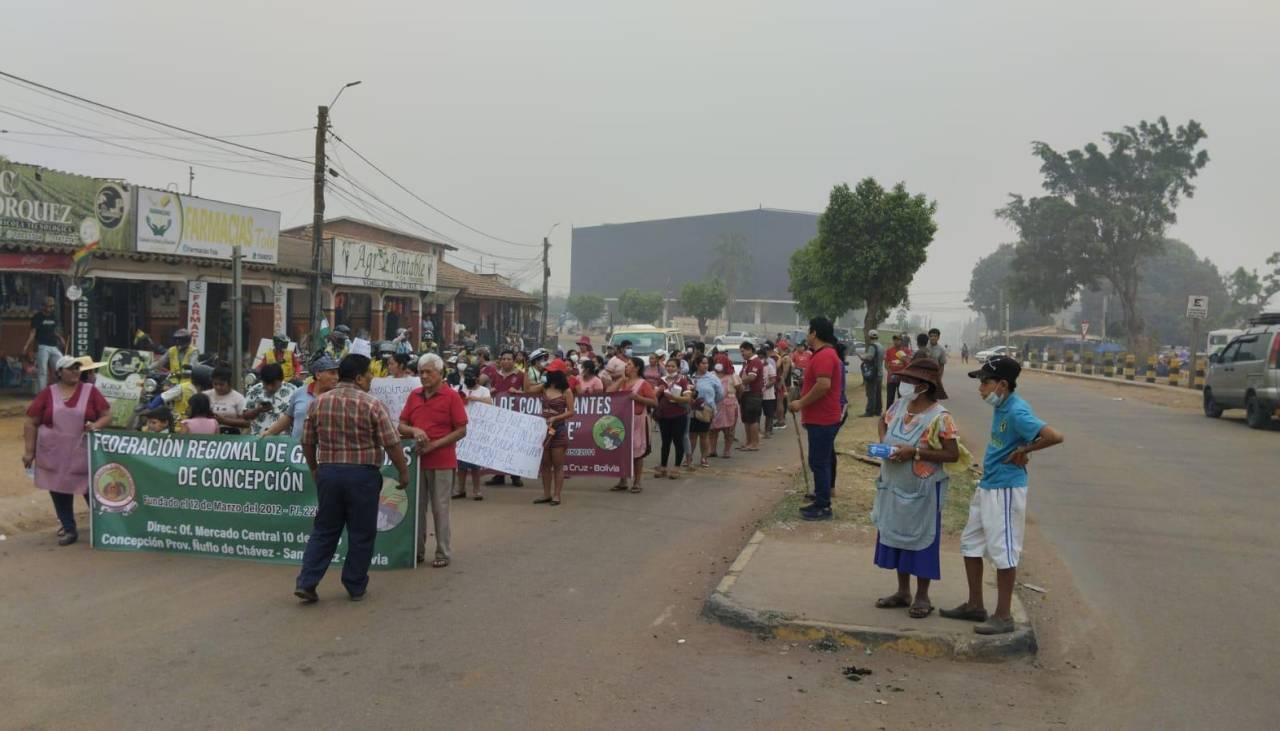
{"x":997,"y":517}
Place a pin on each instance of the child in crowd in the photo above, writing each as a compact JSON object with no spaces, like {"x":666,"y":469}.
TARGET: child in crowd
{"x":200,"y":418}
{"x":159,"y":421}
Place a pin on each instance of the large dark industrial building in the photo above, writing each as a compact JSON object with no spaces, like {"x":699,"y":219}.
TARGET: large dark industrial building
{"x":662,"y":255}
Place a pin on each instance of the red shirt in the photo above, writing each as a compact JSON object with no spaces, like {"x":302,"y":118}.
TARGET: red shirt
{"x":499,"y":383}
{"x":95,"y":408}
{"x":668,"y":409}
{"x":896,"y":358}
{"x":437,"y":415}
{"x":801,"y":359}
{"x":826,"y":410}
{"x":756,"y":366}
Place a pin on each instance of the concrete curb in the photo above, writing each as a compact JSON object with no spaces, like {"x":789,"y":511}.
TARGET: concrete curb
{"x":722,"y":608}
{"x":1116,"y":381}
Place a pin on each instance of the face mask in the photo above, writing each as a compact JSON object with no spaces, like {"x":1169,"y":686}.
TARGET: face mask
{"x":627,"y":352}
{"x":573,"y":358}
{"x":719,"y":368}
{"x":994,"y":399}
{"x":907,"y":391}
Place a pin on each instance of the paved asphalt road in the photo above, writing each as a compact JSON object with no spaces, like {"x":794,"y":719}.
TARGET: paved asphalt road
{"x":1168,"y":522}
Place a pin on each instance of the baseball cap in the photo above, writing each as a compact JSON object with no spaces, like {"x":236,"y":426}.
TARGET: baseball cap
{"x":324,"y":363}
{"x":873,"y":334}
{"x":66,"y":361}
{"x":1000,"y":368}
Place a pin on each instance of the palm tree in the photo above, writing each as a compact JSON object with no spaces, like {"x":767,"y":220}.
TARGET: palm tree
{"x":731,"y":264}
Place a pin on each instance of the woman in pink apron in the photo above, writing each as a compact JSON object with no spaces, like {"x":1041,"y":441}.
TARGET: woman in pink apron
{"x":55,"y":440}
{"x":644,"y":398}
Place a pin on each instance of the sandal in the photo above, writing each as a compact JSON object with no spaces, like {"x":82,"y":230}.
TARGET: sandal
{"x":622,"y":487}
{"x":478,"y":497}
{"x":554,"y":502}
{"x":660,"y":473}
{"x":459,"y":496}
{"x":672,"y":476}
{"x":542,"y":501}
{"x":636,"y":488}
{"x":704,"y":463}
{"x":439,"y":563}
{"x":920,"y":609}
{"x":893,"y":601}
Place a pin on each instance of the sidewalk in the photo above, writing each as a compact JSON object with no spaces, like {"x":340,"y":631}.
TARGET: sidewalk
{"x":1140,"y":381}
{"x":802,"y":590}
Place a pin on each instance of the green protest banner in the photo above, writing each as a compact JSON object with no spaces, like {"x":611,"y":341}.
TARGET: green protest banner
{"x":227,"y":496}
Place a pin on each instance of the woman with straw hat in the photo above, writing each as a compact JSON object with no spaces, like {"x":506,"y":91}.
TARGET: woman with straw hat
{"x":55,"y":439}
{"x":913,"y":484}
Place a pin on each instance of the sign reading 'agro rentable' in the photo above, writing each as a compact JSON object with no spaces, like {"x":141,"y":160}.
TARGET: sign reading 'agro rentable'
{"x":227,"y":496}
{"x":366,"y":264}
{"x":170,"y":223}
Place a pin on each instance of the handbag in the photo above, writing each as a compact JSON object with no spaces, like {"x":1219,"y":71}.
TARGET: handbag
{"x":703,"y":412}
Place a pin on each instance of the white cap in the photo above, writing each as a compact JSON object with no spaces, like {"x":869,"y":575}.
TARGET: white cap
{"x":66,"y":361}
{"x":873,"y":334}
{"x":662,"y":354}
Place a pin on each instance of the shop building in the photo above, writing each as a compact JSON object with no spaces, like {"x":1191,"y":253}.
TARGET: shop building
{"x":486,"y":304}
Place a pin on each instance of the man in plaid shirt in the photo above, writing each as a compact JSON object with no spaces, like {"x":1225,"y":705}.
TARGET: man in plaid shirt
{"x":346,"y":433}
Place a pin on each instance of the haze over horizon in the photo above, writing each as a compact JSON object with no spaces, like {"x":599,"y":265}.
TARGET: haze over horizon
{"x":512,"y":116}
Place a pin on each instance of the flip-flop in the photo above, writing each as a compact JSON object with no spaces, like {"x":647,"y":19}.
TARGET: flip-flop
{"x":618,"y":488}
{"x":478,"y":497}
{"x":636,"y":488}
{"x":439,"y":563}
{"x":920,"y":610}
{"x":542,"y":501}
{"x":893,"y":601}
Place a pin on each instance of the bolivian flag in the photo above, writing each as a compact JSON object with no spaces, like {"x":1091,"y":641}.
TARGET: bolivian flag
{"x":85,"y":251}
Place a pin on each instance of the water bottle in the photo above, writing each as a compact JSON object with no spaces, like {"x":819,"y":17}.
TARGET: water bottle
{"x":880,"y":450}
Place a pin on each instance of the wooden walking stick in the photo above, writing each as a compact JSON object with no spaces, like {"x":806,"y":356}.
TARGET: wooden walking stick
{"x":804,"y":468}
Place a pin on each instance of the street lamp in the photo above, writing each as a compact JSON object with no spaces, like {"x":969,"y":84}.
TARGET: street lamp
{"x":344,"y":88}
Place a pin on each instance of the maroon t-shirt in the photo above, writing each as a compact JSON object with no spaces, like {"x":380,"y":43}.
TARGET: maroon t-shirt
{"x":668,"y":409}
{"x":756,"y":366}
{"x":499,"y":383}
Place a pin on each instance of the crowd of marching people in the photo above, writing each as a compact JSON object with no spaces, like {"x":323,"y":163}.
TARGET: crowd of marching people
{"x":685,"y":409}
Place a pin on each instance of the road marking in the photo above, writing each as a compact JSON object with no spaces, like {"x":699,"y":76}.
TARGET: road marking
{"x":666,"y":614}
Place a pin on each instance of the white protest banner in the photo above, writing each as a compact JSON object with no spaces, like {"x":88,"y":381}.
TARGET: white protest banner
{"x":360,"y":346}
{"x":503,"y":440}
{"x":393,"y":392}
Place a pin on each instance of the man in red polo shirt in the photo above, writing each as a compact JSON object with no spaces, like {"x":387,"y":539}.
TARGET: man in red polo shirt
{"x":435,"y":417}
{"x":819,"y":406}
{"x":752,"y":400}
{"x":504,"y":378}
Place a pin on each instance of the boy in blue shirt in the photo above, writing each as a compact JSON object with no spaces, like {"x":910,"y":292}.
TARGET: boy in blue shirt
{"x":998,"y":509}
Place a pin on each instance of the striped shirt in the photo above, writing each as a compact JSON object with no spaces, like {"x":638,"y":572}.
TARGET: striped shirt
{"x":348,"y":426}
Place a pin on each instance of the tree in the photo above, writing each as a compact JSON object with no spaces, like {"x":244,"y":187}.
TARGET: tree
{"x":869,"y":245}
{"x":1271,"y":281}
{"x":990,"y":289}
{"x":1246,"y":294}
{"x":731,"y":264}
{"x":637,"y":306}
{"x":585,"y":308}
{"x":1105,"y":214}
{"x":1166,"y":282}
{"x":704,"y":301}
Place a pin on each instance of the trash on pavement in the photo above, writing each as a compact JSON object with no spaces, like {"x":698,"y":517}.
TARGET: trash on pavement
{"x":1033,"y":587}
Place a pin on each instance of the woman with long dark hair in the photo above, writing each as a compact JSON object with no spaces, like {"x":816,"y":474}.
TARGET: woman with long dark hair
{"x":643,"y":398}
{"x":674,"y":396}
{"x":557,"y":409}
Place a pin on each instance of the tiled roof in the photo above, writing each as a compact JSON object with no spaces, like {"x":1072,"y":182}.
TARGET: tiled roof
{"x":480,"y":286}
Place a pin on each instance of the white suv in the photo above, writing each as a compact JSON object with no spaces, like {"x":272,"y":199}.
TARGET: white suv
{"x":1246,"y":374}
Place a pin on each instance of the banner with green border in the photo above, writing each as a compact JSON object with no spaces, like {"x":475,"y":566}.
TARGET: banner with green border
{"x":227,"y":496}
{"x":43,"y":206}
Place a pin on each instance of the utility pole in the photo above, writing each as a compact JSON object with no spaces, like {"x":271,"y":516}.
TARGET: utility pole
{"x":317,"y":221}
{"x":546,"y":282}
{"x":191,"y":179}
{"x":1104,"y":318}
{"x":237,"y":319}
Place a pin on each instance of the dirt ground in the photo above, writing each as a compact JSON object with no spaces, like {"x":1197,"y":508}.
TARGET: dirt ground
{"x":23,"y":508}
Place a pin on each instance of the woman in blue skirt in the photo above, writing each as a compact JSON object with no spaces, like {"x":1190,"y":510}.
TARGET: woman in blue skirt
{"x":913,"y":484}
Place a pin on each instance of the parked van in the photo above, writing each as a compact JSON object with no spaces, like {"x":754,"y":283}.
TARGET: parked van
{"x":1218,"y":339}
{"x":646,"y":339}
{"x":1246,"y":373}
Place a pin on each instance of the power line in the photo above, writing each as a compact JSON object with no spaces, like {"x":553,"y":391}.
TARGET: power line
{"x":193,"y":133}
{"x":425,"y":202}
{"x":160,"y":137}
{"x":145,"y":152}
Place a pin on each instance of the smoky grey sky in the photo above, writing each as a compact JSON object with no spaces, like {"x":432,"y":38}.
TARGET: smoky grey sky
{"x":513,"y":116}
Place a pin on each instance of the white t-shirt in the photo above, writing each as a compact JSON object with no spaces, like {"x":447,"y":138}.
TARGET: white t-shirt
{"x":770,"y":374}
{"x":230,"y":405}
{"x":479,"y":393}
